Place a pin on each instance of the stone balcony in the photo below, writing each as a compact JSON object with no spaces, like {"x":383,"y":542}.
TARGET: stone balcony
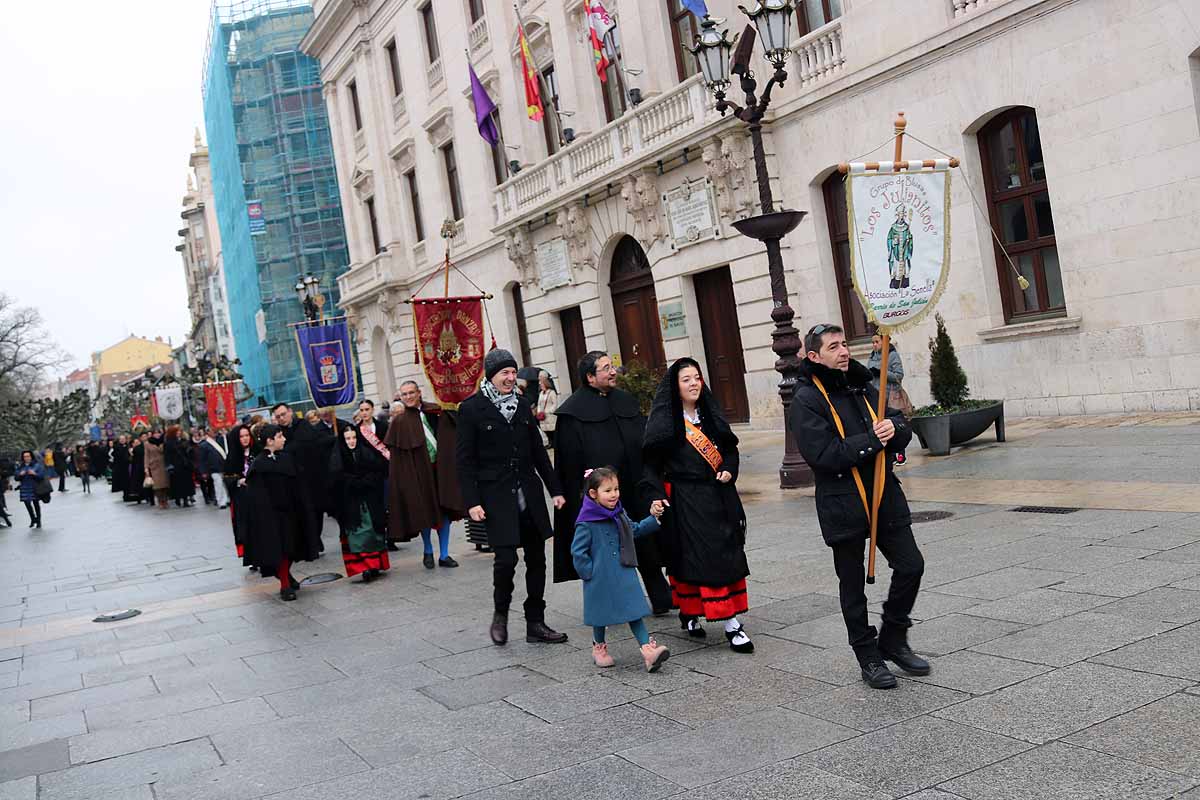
{"x":363,"y":281}
{"x":963,"y":8}
{"x":478,"y":37}
{"x":667,"y":122}
{"x":819,"y":54}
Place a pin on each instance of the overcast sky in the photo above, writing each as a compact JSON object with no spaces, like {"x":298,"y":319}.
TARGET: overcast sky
{"x":100,"y":104}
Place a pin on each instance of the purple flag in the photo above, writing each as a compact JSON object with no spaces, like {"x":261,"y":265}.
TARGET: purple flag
{"x":484,"y":108}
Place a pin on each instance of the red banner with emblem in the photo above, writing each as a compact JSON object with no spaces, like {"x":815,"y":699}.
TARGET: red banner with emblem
{"x":222,"y":405}
{"x":449,"y":334}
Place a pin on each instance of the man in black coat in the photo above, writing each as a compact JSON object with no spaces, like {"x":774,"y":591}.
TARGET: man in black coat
{"x":600,"y":425}
{"x":500,"y":458}
{"x":309,"y":448}
{"x":834,"y":389}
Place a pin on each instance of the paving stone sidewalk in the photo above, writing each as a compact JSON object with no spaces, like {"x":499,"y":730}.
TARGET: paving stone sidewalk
{"x":1064,"y":650}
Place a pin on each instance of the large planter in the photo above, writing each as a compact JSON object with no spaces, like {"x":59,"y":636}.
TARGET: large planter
{"x":938,"y":434}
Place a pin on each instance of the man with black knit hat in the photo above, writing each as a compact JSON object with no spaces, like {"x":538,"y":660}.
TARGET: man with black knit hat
{"x":500,"y":458}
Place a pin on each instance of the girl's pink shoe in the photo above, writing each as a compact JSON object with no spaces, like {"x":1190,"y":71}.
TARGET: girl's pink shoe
{"x":653,"y":655}
{"x":600,"y":655}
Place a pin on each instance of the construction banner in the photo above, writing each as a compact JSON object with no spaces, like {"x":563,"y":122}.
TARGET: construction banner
{"x":899,"y":239}
{"x":222,"y":405}
{"x":449,"y":335}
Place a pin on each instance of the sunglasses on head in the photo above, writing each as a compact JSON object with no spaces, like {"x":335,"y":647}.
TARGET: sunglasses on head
{"x":817,"y":330}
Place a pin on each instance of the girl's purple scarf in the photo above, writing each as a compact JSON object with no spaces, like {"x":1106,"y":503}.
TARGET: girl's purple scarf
{"x":591,"y":511}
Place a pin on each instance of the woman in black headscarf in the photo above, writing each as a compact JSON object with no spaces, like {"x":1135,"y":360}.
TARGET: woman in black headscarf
{"x":690,"y":461}
{"x":358,"y":472}
{"x":240,"y":453}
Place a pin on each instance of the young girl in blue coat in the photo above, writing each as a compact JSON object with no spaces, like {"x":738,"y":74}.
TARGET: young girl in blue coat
{"x":605,"y":559}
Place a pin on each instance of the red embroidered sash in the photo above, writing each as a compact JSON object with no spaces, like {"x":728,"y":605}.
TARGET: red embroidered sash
{"x":704,"y":446}
{"x":373,"y":440}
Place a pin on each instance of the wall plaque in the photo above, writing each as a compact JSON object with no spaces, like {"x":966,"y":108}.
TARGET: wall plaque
{"x":691,"y":210}
{"x":553,"y":264}
{"x":673,"y":320}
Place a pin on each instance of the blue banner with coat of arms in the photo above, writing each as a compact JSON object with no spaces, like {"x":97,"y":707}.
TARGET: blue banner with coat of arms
{"x":328,"y":359}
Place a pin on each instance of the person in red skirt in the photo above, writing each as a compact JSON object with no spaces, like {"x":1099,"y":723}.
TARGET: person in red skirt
{"x":359,"y":471}
{"x":690,"y":458}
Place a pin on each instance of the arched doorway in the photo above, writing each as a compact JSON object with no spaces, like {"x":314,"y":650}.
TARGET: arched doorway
{"x":381,"y":358}
{"x":635,"y":305}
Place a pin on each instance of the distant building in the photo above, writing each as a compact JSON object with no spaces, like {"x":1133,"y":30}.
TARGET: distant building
{"x":276,"y":192}
{"x":132,"y":354}
{"x":200,"y":250}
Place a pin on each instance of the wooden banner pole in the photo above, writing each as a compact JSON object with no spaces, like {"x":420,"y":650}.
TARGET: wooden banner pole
{"x":877,"y":485}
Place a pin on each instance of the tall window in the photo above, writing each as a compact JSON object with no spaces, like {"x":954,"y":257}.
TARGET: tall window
{"x":370,"y":204}
{"x":522,"y":329}
{"x":355,"y":109}
{"x":452,"y":180}
{"x":414,"y":200}
{"x":610,"y":87}
{"x":854,"y":319}
{"x":815,"y":13}
{"x":549,"y":119}
{"x":683,"y":33}
{"x":430,"y":29}
{"x":475,"y":7}
{"x":394,"y":68}
{"x":1019,"y":205}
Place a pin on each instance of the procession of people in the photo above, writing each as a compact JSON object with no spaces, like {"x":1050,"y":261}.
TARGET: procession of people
{"x":644,"y":510}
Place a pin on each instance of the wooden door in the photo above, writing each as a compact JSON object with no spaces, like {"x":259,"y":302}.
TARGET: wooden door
{"x":722,"y":342}
{"x":574,"y":340}
{"x":636,"y":306}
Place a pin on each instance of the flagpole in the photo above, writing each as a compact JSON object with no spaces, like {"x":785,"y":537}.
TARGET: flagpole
{"x":611,"y":42}
{"x":541,"y":80}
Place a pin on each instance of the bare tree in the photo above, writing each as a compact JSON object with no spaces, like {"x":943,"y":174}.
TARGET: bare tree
{"x":26,"y":349}
{"x":36,"y":423}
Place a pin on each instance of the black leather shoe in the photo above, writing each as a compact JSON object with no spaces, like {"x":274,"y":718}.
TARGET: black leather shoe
{"x":287,"y":594}
{"x":744,"y":646}
{"x":878,"y":676}
{"x":541,"y":632}
{"x":693,"y":627}
{"x":428,"y":560}
{"x":447,"y":562}
{"x":369,"y":576}
{"x":499,"y":629}
{"x":904,"y":658}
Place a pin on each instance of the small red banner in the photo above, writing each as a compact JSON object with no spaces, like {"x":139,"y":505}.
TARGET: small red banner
{"x":222,"y":406}
{"x":450,"y":345}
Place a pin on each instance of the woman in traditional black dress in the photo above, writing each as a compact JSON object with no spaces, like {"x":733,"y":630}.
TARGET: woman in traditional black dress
{"x":120,"y":465}
{"x":690,"y":461}
{"x":136,"y":491}
{"x":358,"y":473}
{"x":177,"y":451}
{"x":278,"y":527}
{"x":241,"y":450}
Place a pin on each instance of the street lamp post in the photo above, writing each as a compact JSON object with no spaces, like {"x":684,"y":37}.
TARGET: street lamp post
{"x":772,"y":22}
{"x":308,"y":292}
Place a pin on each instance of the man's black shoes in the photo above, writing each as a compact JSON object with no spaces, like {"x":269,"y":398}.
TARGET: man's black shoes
{"x":541,"y":632}
{"x":428,"y":560}
{"x":878,"y":676}
{"x":499,"y":629}
{"x":904,"y":658}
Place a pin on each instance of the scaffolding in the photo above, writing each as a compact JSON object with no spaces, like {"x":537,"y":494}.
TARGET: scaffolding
{"x":269,"y":143}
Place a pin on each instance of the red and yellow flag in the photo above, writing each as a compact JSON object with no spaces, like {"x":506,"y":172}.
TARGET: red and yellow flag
{"x":533,"y":92}
{"x":599,"y":24}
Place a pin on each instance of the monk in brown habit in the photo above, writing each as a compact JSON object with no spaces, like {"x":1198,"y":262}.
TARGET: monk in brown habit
{"x":424,"y":494}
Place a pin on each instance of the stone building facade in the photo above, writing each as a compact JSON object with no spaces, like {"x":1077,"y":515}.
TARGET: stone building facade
{"x":1076,"y":122}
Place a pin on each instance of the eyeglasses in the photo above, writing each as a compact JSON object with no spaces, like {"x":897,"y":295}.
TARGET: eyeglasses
{"x":609,"y":368}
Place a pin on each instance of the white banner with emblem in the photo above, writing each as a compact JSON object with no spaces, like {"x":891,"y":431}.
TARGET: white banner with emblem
{"x":899,"y":239}
{"x":170,"y":401}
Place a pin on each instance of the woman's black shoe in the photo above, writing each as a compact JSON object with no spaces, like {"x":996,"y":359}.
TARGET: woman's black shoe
{"x":369,"y":576}
{"x":693,"y":628}
{"x":287,"y":594}
{"x":745,"y":645}
{"x":428,"y":560}
{"x":447,"y":562}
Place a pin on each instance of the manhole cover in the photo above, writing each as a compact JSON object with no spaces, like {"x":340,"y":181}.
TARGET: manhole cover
{"x":930,"y":516}
{"x":321,"y":577}
{"x":116,"y":616}
{"x":1045,"y":510}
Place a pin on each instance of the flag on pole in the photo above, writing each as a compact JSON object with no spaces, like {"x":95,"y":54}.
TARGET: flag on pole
{"x":484,"y":108}
{"x":599,"y":24}
{"x":533,"y":94}
{"x":697,"y":7}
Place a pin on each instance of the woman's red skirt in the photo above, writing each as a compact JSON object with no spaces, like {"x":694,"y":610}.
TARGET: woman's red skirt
{"x":714,"y":603}
{"x":357,"y":563}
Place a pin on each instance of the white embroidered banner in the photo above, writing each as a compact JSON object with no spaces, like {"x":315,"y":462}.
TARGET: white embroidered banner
{"x":170,"y":401}
{"x":899,"y":240}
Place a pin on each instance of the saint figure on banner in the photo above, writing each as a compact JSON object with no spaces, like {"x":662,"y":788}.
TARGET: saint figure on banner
{"x":900,"y":250}
{"x":448,"y":351}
